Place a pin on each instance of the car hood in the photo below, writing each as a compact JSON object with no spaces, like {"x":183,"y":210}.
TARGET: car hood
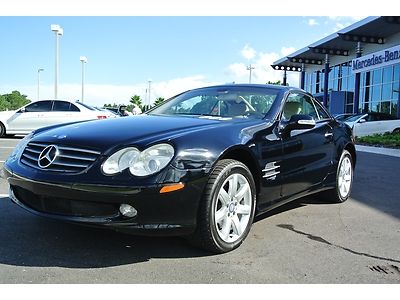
{"x":140,"y":130}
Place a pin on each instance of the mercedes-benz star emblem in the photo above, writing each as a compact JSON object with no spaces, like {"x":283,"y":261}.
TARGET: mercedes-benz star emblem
{"x":48,"y":156}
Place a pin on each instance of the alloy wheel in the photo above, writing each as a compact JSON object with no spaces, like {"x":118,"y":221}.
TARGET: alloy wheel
{"x":232,"y":209}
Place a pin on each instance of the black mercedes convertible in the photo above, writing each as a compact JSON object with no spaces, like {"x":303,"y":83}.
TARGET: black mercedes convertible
{"x":201,"y":165}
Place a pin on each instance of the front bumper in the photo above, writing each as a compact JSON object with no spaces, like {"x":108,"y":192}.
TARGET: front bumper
{"x":172,"y":213}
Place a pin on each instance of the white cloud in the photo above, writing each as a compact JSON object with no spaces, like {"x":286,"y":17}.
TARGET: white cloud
{"x":262,"y":72}
{"x":248,"y":52}
{"x":312,"y":22}
{"x":285,"y":51}
{"x":351,"y":19}
{"x":340,"y":22}
{"x":99,"y":94}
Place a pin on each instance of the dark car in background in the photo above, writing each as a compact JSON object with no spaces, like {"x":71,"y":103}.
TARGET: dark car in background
{"x":202,"y":164}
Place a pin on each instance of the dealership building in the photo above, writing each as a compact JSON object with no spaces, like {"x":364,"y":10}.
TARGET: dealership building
{"x":354,"y":70}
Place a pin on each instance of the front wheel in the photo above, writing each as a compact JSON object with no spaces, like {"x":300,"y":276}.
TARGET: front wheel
{"x":226,"y":211}
{"x":344,"y":179}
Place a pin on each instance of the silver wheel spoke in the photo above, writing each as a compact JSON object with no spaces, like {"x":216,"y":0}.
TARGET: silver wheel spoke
{"x":226,"y":229}
{"x":242,"y":191}
{"x":243,"y":209}
{"x":223,"y":196}
{"x":233,"y":185}
{"x":221,"y":214}
{"x":236,"y":225}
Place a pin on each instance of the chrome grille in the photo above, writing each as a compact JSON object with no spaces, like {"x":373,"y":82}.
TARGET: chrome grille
{"x":68,"y":160}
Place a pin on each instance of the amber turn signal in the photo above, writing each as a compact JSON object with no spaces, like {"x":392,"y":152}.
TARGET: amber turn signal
{"x":172,"y":188}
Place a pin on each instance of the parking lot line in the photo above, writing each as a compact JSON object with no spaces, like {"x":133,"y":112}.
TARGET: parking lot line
{"x":8,"y":147}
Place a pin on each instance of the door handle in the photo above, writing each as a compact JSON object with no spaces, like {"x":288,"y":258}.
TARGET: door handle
{"x":328,"y":135}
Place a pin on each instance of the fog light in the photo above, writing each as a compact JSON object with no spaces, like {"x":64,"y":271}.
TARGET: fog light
{"x":127,"y":210}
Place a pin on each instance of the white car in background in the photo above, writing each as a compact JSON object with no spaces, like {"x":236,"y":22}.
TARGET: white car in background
{"x":45,"y":113}
{"x":372,"y":123}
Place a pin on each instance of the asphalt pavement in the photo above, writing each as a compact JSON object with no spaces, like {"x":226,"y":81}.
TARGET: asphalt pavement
{"x":307,"y":241}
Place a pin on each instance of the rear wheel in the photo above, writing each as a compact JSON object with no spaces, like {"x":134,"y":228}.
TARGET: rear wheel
{"x":2,"y":130}
{"x":227,"y":208}
{"x":344,"y":180}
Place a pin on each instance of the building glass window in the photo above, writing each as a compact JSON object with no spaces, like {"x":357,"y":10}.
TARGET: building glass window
{"x":376,"y":93}
{"x":376,"y":76}
{"x":378,"y":87}
{"x":387,"y":74}
{"x":394,"y":108}
{"x":396,"y":71}
{"x":385,"y":107}
{"x":387,"y":91}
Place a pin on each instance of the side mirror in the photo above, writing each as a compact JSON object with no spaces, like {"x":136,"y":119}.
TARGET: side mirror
{"x":362,"y":121}
{"x":22,"y":110}
{"x":298,"y":122}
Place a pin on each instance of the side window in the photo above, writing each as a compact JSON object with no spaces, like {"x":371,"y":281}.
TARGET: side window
{"x":321,"y":112}
{"x":61,"y":106}
{"x":40,"y":106}
{"x":297,"y":104}
{"x":73,"y":107}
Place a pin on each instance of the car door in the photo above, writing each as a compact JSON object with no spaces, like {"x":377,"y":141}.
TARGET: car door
{"x":269,"y":149}
{"x":63,"y":112}
{"x":30,"y":117}
{"x":307,"y":154}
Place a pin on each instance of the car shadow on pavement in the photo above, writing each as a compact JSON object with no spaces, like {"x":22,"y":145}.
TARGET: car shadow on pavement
{"x":29,"y":240}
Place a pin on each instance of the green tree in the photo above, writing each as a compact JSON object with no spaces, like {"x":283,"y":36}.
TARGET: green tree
{"x":13,"y":101}
{"x":159,"y":100}
{"x":4,"y":105}
{"x":275,"y":82}
{"x":137,"y":101}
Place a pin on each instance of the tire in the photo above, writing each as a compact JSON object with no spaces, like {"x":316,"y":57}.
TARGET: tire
{"x":226,"y":211}
{"x":396,"y":131}
{"x":344,"y":180}
{"x":2,"y":130}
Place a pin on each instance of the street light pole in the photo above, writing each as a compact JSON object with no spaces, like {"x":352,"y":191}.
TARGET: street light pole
{"x":58,"y":32}
{"x":249,"y":68}
{"x":83,"y":59}
{"x":38,"y":82}
{"x":149,"y":90}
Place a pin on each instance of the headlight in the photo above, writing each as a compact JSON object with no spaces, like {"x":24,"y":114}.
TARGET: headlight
{"x":145,"y":163}
{"x":120,"y":161}
{"x":21,"y":146}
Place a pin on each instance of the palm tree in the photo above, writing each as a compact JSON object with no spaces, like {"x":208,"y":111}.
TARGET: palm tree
{"x":137,"y":101}
{"x":159,"y":100}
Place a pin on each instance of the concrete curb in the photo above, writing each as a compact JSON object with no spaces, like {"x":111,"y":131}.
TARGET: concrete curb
{"x":379,"y":150}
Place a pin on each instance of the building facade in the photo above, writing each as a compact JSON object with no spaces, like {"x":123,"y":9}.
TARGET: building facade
{"x":354,"y":70}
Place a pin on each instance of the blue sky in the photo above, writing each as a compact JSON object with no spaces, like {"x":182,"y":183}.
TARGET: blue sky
{"x":176,"y":53}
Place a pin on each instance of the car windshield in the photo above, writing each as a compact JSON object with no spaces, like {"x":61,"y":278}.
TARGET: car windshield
{"x":342,"y":117}
{"x":241,"y":102}
{"x":353,"y":118}
{"x":85,"y":105}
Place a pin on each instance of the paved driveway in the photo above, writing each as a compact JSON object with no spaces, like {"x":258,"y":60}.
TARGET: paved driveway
{"x":307,"y":241}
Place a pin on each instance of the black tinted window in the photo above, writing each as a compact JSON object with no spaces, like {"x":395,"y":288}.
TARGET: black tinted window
{"x":73,"y":107}
{"x":61,"y":106}
{"x":40,"y":106}
{"x":64,"y":106}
